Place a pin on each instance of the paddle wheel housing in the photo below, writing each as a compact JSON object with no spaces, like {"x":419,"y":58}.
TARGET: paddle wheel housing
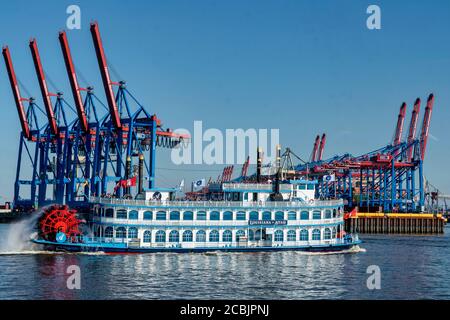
{"x":59,"y":218}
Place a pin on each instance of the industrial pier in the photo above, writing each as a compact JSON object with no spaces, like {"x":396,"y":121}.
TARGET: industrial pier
{"x":396,"y":223}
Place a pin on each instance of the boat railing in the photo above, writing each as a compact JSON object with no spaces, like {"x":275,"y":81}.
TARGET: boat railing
{"x":229,"y":204}
{"x":254,"y":186}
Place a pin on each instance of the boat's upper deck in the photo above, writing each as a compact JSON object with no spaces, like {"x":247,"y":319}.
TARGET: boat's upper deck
{"x":313,"y":203}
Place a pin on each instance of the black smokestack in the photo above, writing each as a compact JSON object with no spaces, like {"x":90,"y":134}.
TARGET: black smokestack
{"x":258,"y":164}
{"x":141,"y":174}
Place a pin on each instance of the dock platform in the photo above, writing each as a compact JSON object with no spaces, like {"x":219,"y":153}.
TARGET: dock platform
{"x":396,"y":223}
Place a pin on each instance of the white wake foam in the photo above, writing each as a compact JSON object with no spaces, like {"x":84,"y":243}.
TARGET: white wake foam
{"x":355,"y":249}
{"x":18,"y":235}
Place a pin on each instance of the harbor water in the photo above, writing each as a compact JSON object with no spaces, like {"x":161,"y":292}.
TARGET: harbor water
{"x":411,"y":267}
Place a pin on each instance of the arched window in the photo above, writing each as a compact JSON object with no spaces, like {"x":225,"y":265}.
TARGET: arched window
{"x":200,"y":236}
{"x":279,"y":235}
{"x":161,"y":215}
{"x":187,"y":236}
{"x":174,"y":236}
{"x":109,"y":232}
{"x":227,"y":236}
{"x":304,"y":215}
{"x":133,"y":215}
{"x":316,"y":234}
{"x":132,"y":233}
{"x":279,"y":215}
{"x":317,"y":215}
{"x":251,"y":235}
{"x":175,"y":215}
{"x":327,"y":234}
{"x":214,"y":236}
{"x":147,"y":236}
{"x":109,"y":213}
{"x":121,"y":232}
{"x":258,"y":235}
{"x":267,"y":215}
{"x":304,"y":236}
{"x":291,"y":235}
{"x":160,"y":236}
{"x":148,"y":215}
{"x":228,"y":215}
{"x":188,"y":215}
{"x":201,"y":215}
{"x":239,"y":234}
{"x":292,"y":215}
{"x":214,"y":215}
{"x":328,"y":214}
{"x":241,"y":216}
{"x":333,"y":233}
{"x":121,"y":214}
{"x":254,"y":215}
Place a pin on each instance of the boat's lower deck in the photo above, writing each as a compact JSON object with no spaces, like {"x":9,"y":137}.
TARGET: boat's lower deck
{"x":124,"y":248}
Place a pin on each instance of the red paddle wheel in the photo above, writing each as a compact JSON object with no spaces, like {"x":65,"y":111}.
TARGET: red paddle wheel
{"x":59,"y":218}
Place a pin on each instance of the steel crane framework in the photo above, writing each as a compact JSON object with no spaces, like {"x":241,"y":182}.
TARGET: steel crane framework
{"x":389,"y":179}
{"x":82,"y":152}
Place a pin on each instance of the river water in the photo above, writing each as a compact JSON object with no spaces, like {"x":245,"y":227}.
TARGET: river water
{"x":411,"y":267}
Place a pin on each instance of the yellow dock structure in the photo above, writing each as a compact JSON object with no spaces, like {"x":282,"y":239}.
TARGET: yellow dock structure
{"x":395,"y":223}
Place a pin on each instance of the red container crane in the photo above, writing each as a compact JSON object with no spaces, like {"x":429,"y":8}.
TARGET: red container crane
{"x":321,"y":147}
{"x":44,"y":89}
{"x":399,"y":127}
{"x":16,"y":92}
{"x":107,"y":84}
{"x":73,"y":81}
{"x":426,"y":126}
{"x":316,"y":146}
{"x":412,"y":129}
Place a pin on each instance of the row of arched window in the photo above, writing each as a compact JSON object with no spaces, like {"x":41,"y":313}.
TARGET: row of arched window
{"x":214,"y":235}
{"x":225,"y":216}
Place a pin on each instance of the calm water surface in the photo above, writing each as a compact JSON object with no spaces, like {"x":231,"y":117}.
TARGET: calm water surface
{"x":412,"y":267}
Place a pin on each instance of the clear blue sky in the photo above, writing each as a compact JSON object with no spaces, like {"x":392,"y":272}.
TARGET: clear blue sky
{"x":305,"y":67}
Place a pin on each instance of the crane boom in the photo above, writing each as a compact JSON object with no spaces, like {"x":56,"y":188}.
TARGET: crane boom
{"x":43,"y":85}
{"x":322,"y":146}
{"x":105,"y":75}
{"x":73,"y":80}
{"x":426,"y":126}
{"x":399,"y":127}
{"x":16,"y":92}
{"x":412,"y":129}
{"x":400,"y":122}
{"x":316,"y":145}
